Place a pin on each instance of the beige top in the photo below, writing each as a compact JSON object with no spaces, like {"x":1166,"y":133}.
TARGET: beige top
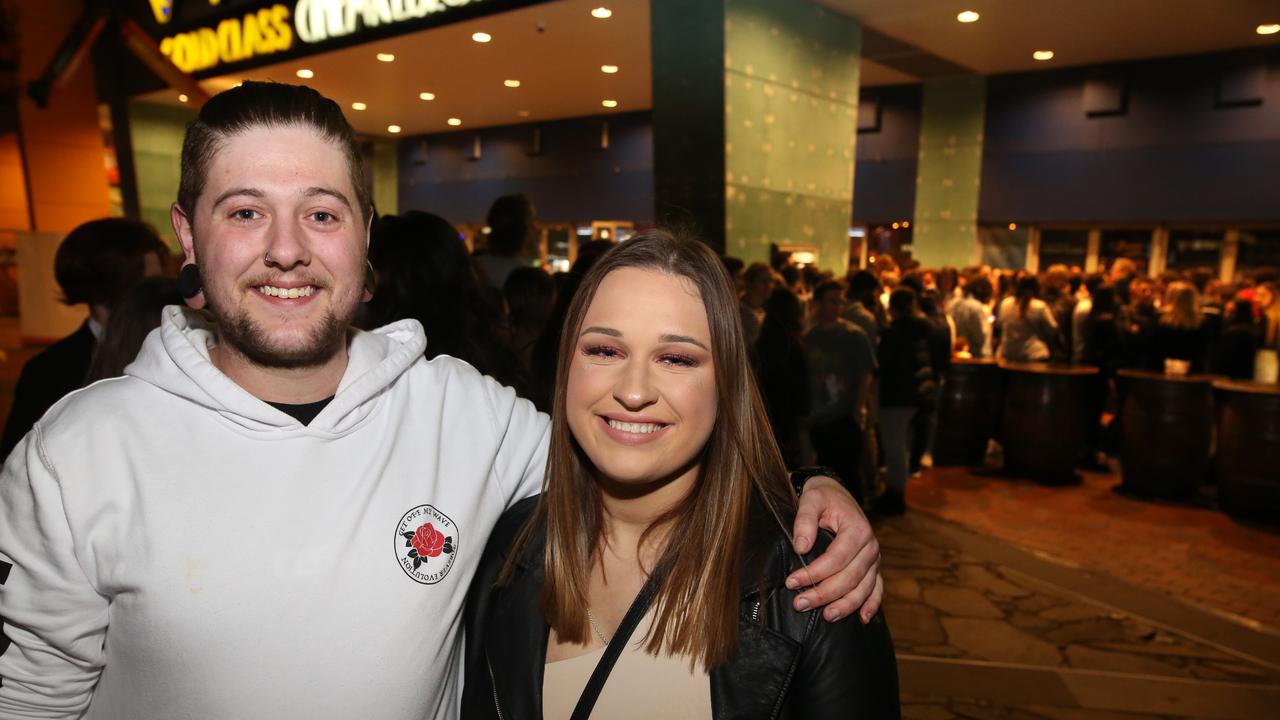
{"x":641,"y":686}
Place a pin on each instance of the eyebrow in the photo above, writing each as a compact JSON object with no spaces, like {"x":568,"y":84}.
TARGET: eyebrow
{"x":667,"y":338}
{"x":312,"y":191}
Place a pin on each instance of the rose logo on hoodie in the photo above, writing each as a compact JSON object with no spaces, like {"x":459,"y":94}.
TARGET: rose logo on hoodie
{"x":426,"y":544}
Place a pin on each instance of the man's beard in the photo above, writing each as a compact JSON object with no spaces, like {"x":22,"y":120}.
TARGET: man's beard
{"x":247,"y":338}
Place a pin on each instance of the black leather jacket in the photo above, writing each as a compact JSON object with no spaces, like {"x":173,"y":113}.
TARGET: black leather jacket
{"x":788,"y":665}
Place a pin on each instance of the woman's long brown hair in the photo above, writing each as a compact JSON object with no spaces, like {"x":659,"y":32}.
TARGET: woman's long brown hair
{"x":697,"y":607}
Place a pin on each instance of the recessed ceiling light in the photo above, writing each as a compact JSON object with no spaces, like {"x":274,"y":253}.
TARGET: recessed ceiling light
{"x":968,"y":16}
{"x":1013,"y":226}
{"x":454,"y":122}
{"x":896,"y":225}
{"x":523,"y":113}
{"x":305,"y":74}
{"x":1042,"y":55}
{"x":393,"y":129}
{"x":426,"y":96}
{"x":511,"y":83}
{"x":609,"y":103}
{"x":481,"y":37}
{"x":1270,"y":29}
{"x":602,"y":13}
{"x":386,"y":57}
{"x":182,"y":97}
{"x":608,"y":69}
{"x":906,"y":223}
{"x":358,"y":106}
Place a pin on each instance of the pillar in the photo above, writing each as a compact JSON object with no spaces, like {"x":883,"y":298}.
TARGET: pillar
{"x":755,"y":119}
{"x":948,"y":175}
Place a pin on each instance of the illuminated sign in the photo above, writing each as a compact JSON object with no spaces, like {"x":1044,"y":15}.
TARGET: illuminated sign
{"x":268,"y":31}
{"x":319,"y":20}
{"x":234,"y":39}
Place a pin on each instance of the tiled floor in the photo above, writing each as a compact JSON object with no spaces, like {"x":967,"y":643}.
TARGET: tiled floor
{"x":987,"y":631}
{"x":1188,"y":550}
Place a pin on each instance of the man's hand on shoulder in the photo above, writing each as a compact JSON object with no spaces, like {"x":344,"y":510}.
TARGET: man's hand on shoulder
{"x":845,"y":578}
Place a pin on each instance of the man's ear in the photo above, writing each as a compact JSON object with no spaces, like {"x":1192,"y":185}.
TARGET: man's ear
{"x":182,"y":228}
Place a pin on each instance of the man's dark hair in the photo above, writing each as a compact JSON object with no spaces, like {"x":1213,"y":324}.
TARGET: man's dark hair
{"x":825,"y":287}
{"x":102,"y":260}
{"x":862,"y":282}
{"x":509,"y":218}
{"x":902,"y":302}
{"x":265,"y":104}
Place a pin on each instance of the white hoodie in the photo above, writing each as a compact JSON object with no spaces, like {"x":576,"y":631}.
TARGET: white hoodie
{"x":181,"y":549}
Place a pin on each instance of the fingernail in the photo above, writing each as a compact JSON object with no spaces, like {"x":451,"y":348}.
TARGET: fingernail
{"x":802,"y":604}
{"x":792,"y":583}
{"x":802,"y":542}
{"x":833,"y":616}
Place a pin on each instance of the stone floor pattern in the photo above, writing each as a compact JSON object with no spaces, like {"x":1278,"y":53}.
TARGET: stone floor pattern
{"x":988,"y":625}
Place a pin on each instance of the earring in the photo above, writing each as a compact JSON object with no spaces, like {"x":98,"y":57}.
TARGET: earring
{"x":189,"y":281}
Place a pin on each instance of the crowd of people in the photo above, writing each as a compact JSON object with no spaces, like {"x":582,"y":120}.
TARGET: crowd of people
{"x":873,"y":348}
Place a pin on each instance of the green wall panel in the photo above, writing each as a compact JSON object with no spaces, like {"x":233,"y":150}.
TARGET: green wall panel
{"x":949,"y":172}
{"x":156,"y":132}
{"x":791,"y":106}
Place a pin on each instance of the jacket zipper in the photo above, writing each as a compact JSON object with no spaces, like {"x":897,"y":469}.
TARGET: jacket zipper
{"x":494,"y":684}
{"x":755,"y":612}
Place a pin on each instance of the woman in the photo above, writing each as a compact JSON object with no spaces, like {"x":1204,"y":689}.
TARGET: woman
{"x":1028,"y":332}
{"x":423,"y":272}
{"x":662,"y":484}
{"x":1179,"y":334}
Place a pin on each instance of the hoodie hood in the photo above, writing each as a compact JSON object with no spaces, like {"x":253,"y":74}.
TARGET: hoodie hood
{"x":175,"y":358}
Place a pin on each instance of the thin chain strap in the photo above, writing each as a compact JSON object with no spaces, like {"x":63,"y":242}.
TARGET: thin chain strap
{"x":592,"y":619}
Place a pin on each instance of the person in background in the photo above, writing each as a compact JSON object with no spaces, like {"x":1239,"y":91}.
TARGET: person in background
{"x":941,"y":343}
{"x":841,"y":363}
{"x":972,"y":317}
{"x":96,"y":265}
{"x":1103,"y":335}
{"x":548,"y":344}
{"x":757,"y":282}
{"x":1179,"y":334}
{"x":864,"y":308}
{"x":422,"y":271}
{"x":735,"y":266}
{"x":1080,"y":315}
{"x":530,"y":294}
{"x":1062,"y":301}
{"x":1121,"y":275}
{"x":1267,"y":305}
{"x":906,"y":385}
{"x":1236,"y":350}
{"x":784,"y":375}
{"x":512,"y":227}
{"x":1028,"y":332}
{"x":135,"y":316}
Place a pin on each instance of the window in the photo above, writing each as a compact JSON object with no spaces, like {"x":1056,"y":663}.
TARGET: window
{"x":1001,"y":247}
{"x":1259,"y":248}
{"x":1191,"y":249}
{"x":1063,"y":247}
{"x":1132,"y":244}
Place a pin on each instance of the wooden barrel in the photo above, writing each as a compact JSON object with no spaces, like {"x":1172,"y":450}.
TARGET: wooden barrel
{"x":968,"y":412}
{"x":1166,"y":432}
{"x":1042,"y":426}
{"x":1248,"y":461}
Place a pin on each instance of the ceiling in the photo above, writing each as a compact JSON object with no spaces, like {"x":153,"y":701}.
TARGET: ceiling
{"x":555,"y":49}
{"x":1079,"y":32}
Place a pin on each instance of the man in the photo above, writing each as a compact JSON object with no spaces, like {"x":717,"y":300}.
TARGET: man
{"x":273,"y":516}
{"x":97,"y":264}
{"x":864,"y":304}
{"x":972,"y":316}
{"x":841,"y":361}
